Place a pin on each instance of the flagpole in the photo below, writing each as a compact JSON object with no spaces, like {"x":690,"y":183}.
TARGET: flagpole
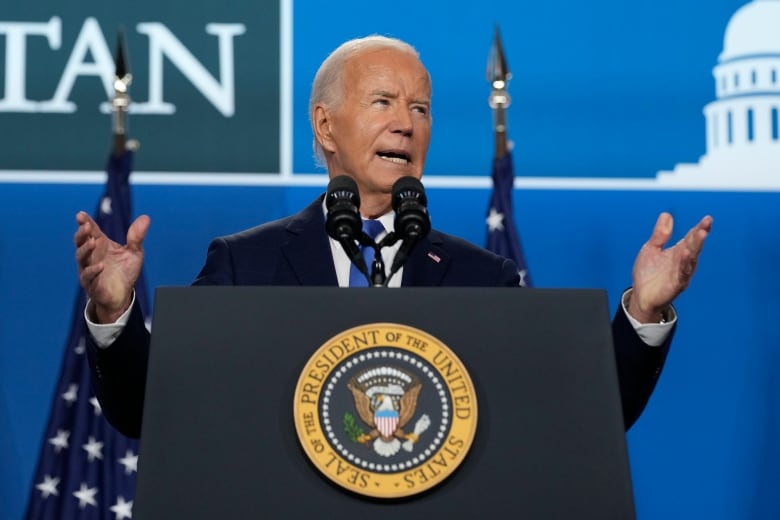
{"x":120,"y":103}
{"x":499,"y":100}
{"x":502,"y":236}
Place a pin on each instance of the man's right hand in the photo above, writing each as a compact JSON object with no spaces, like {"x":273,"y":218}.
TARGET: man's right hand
{"x":107,"y":270}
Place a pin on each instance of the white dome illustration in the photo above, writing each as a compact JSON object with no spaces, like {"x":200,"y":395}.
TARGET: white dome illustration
{"x":743,"y":123}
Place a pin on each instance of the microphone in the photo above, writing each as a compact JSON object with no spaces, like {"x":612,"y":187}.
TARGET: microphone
{"x":343,"y":222}
{"x":412,"y":222}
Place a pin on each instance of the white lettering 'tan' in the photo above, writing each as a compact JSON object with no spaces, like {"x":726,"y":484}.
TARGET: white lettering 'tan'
{"x":91,"y":42}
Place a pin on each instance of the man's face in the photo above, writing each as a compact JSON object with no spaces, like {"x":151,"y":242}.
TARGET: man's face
{"x":381,"y":130}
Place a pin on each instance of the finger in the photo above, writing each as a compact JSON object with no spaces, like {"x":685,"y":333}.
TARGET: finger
{"x":87,"y":228}
{"x":82,"y":218}
{"x":89,"y":274}
{"x":662,"y":230}
{"x":694,"y":239}
{"x":84,"y":252}
{"x":82,"y":233}
{"x":80,"y":236}
{"x":137,"y":232}
{"x":706,"y":223}
{"x":686,"y":273}
{"x":687,"y":267}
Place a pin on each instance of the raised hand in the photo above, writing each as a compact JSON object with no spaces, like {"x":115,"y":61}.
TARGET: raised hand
{"x":659,"y":274}
{"x":108,"y":270}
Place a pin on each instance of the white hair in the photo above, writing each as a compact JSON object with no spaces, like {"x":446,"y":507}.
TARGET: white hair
{"x":328,"y":88}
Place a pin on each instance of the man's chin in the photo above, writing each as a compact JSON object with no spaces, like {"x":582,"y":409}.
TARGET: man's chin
{"x":391,"y":175}
{"x":391,"y":180}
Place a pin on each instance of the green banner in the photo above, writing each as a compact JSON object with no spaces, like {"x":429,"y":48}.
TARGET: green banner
{"x":205,"y":90}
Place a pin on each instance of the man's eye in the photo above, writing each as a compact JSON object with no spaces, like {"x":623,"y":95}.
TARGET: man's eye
{"x":381,"y":101}
{"x":421,"y":110}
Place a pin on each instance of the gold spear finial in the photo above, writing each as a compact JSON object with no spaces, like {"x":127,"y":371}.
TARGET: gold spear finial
{"x":120,"y":103}
{"x":498,"y":75}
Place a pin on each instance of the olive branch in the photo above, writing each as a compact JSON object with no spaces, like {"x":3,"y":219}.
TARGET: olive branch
{"x":351,"y":427}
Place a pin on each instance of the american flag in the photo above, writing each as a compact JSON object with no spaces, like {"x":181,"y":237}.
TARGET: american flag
{"x":86,"y":469}
{"x":502,"y":237}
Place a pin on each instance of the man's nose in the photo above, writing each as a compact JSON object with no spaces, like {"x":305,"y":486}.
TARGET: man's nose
{"x":402,"y":121}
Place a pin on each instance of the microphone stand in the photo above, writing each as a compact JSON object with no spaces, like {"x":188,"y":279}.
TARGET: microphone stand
{"x":377,"y":278}
{"x":388,"y":240}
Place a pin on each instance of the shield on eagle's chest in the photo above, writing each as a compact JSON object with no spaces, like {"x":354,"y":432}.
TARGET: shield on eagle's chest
{"x":386,"y":422}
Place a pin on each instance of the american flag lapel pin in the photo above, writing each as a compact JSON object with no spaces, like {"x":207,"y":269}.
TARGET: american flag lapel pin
{"x":433,"y":256}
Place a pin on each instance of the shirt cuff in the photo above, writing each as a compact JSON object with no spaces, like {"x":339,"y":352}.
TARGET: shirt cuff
{"x":653,"y":334}
{"x":105,"y":334}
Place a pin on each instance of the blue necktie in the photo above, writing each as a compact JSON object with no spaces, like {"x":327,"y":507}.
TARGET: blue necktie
{"x":372,"y":228}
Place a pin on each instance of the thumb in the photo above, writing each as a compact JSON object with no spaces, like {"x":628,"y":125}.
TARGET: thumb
{"x":137,"y":232}
{"x":662,"y":230}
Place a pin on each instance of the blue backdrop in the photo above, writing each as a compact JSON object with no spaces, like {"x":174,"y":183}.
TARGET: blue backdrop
{"x":603,"y":90}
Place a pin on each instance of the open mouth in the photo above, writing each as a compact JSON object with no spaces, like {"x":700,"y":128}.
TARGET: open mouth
{"x":395,"y":156}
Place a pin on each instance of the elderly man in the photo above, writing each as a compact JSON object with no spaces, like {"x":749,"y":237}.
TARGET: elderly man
{"x":370,"y":112}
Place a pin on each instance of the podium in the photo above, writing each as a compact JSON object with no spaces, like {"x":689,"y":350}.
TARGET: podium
{"x":219,"y":439}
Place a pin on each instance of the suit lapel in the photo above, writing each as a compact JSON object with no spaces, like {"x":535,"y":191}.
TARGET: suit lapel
{"x":308,"y":250}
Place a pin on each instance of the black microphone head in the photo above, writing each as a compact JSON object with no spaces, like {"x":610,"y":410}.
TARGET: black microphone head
{"x":342,"y":187}
{"x":410,"y":206}
{"x":408,"y":188}
{"x":343,"y":204}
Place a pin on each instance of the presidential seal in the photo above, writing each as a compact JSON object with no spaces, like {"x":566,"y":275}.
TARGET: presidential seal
{"x":385,"y":410}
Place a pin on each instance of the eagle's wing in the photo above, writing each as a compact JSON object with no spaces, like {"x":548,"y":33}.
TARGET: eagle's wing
{"x":408,"y":404}
{"x":363,"y":405}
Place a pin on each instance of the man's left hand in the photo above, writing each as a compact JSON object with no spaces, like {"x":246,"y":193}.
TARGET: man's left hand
{"x":659,"y":274}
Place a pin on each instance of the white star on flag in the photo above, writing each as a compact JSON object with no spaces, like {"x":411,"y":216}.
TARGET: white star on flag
{"x":48,"y":486}
{"x":105,"y":205}
{"x":122,"y":509}
{"x":93,"y":448}
{"x":72,"y":394}
{"x":495,"y":220}
{"x":60,"y":441}
{"x":502,"y":237}
{"x":130,"y":462}
{"x":95,"y":404}
{"x":522,"y":274}
{"x":86,"y":496}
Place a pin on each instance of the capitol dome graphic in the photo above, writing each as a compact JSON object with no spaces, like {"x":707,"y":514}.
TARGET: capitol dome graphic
{"x":743,"y":123}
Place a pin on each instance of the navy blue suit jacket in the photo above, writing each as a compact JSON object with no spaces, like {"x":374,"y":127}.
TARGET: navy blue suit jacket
{"x":296,"y":251}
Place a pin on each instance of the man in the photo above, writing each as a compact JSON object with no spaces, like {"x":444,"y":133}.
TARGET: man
{"x":370,"y":114}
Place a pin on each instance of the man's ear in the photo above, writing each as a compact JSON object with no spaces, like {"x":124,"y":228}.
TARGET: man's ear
{"x":322,"y":128}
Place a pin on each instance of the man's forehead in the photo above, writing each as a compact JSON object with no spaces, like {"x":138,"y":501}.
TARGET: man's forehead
{"x":382,"y":69}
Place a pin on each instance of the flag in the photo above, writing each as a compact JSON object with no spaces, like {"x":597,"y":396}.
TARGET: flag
{"x":86,"y":469}
{"x":502,"y":237}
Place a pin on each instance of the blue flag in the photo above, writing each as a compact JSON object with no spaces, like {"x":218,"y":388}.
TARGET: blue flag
{"x":502,"y":237}
{"x":86,"y":469}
